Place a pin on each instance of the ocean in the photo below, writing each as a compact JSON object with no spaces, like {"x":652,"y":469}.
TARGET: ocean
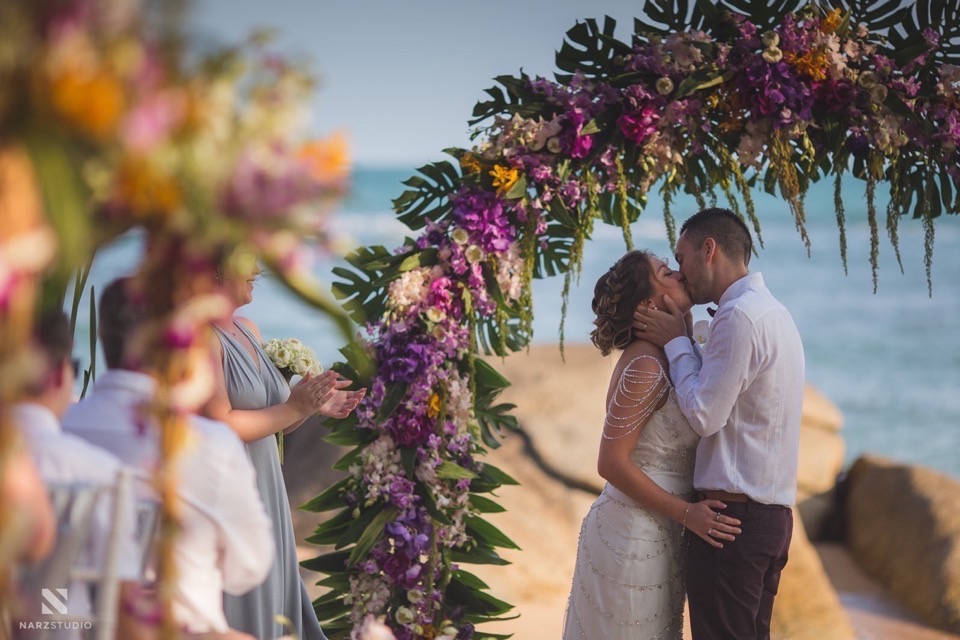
{"x":889,"y":360}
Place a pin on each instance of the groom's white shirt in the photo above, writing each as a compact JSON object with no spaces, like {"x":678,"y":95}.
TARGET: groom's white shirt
{"x":745,"y":399}
{"x":226,"y":542}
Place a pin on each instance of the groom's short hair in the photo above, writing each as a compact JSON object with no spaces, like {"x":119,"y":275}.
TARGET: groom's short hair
{"x":725,"y":227}
{"x":120,"y":314}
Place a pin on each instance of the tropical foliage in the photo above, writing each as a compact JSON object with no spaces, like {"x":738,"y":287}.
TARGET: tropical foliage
{"x":711,"y":99}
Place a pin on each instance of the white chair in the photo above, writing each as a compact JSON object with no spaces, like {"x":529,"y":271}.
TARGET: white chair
{"x":45,"y":586}
{"x":148,"y":531}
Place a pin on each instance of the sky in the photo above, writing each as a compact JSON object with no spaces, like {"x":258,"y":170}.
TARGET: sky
{"x":401,"y":77}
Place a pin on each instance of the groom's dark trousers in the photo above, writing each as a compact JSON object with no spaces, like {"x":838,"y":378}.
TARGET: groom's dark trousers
{"x":731,"y":590}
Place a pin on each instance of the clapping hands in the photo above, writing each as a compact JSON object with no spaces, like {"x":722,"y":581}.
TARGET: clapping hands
{"x":325,"y":395}
{"x":341,"y":403}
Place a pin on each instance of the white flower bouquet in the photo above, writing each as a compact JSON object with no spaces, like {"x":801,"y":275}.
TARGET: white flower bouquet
{"x":292,"y":357}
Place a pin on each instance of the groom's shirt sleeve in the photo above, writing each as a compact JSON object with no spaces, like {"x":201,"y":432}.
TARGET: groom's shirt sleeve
{"x":707,"y":390}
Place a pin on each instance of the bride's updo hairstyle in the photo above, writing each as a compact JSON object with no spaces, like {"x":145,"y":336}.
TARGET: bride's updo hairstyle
{"x":615,"y":296}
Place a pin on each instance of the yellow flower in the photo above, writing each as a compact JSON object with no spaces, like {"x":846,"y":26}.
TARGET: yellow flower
{"x":433,"y":408}
{"x":470,"y":164}
{"x":504,"y":178}
{"x":145,"y":190}
{"x":328,"y":160}
{"x":92,"y":101}
{"x":812,"y":64}
{"x":831,"y":21}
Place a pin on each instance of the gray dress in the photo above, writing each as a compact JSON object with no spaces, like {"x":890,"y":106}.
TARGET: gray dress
{"x":256,"y":385}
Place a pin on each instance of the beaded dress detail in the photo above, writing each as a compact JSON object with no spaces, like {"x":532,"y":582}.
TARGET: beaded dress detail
{"x":629,"y":578}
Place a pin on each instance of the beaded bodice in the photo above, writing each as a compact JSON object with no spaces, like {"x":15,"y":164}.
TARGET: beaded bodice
{"x":667,"y":444}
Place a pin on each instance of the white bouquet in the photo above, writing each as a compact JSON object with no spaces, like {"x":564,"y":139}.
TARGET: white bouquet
{"x":292,"y":357}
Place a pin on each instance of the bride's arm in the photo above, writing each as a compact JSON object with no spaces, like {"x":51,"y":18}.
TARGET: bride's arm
{"x":640,"y":390}
{"x":305,"y":400}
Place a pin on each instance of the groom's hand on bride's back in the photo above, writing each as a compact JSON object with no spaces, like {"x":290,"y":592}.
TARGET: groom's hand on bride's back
{"x":659,"y":326}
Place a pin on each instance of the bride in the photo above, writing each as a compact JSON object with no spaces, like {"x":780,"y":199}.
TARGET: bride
{"x":629,"y":577}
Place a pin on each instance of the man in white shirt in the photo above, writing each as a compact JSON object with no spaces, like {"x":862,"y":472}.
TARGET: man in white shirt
{"x":744,"y":396}
{"x":64,"y":459}
{"x":225,"y":544}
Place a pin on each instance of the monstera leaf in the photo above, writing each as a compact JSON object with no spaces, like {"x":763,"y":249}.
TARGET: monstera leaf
{"x":878,"y":16}
{"x":668,"y":16}
{"x":673,"y":16}
{"x":363,"y":288}
{"x":590,"y":50}
{"x":429,"y":197}
{"x":512,"y":96}
{"x":938,"y":15}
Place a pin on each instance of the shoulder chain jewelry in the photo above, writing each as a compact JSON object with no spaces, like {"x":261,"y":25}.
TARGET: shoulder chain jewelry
{"x":637,"y":395}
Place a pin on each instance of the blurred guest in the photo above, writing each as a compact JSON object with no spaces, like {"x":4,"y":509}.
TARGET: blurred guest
{"x":64,"y":459}
{"x":225,"y":543}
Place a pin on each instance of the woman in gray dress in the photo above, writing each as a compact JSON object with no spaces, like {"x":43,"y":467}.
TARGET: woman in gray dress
{"x":253,"y":398}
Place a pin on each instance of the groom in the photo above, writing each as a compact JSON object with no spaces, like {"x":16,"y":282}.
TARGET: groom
{"x":743,"y":395}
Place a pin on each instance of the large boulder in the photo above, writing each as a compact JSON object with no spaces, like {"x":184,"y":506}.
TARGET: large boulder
{"x":903,"y":525}
{"x":807,"y":606}
{"x":822,"y":451}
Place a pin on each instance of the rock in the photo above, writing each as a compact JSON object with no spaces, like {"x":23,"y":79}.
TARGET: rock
{"x":807,"y":607}
{"x":904,"y":529}
{"x":819,"y":412}
{"x":560,"y":403}
{"x":821,"y":456}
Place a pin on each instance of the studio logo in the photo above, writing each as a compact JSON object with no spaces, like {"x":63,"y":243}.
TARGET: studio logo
{"x":53,"y":601}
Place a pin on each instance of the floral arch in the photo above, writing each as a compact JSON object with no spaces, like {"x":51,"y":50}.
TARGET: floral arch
{"x":706,"y":99}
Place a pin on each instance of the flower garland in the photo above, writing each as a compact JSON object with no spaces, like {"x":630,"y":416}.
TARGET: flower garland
{"x":721,"y":103}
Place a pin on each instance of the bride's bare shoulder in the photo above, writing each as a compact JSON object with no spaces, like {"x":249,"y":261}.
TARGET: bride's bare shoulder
{"x":644,"y":356}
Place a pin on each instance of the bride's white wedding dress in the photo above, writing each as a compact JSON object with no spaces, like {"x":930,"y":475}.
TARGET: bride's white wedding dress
{"x":629,"y":577}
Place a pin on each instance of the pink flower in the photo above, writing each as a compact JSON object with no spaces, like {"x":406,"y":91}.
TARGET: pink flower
{"x":152,"y":120}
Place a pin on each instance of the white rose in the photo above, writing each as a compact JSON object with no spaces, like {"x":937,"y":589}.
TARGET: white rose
{"x":460,"y":236}
{"x":405,"y":615}
{"x":302,"y":365}
{"x":282,"y":357}
{"x":474,"y":254}
{"x":772,"y":55}
{"x":435,"y":315}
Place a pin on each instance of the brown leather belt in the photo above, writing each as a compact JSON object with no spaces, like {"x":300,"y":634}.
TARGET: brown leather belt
{"x":726,"y":496}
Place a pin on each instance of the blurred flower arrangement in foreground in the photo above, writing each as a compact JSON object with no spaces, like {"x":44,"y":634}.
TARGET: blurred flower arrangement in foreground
{"x":111,"y":122}
{"x":714,"y":101}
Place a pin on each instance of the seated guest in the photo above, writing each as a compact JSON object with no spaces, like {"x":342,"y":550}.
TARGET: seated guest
{"x":225,"y":543}
{"x":64,"y":459}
